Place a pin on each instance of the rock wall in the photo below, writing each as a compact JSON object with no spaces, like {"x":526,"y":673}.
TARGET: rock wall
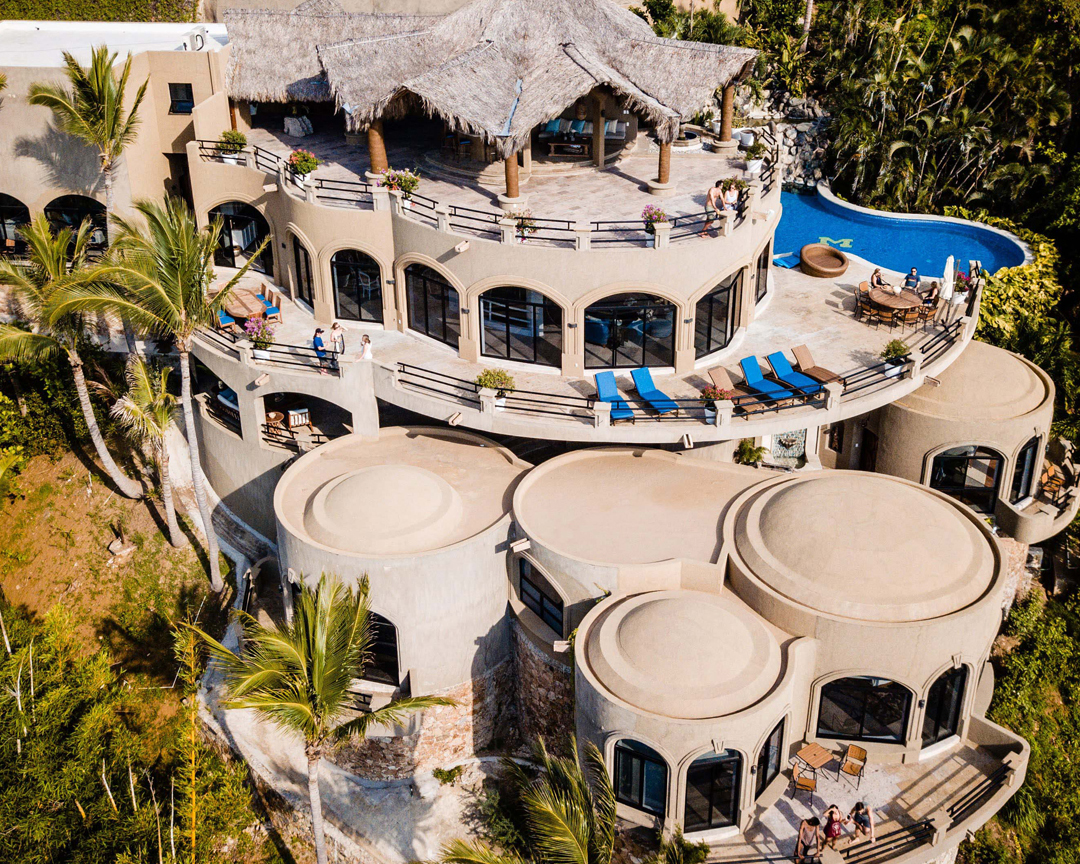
{"x":544,"y":694}
{"x":447,"y":734}
{"x":1018,"y":578}
{"x":801,"y":128}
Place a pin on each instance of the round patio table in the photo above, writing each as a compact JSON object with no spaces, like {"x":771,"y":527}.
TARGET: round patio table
{"x":906,"y":299}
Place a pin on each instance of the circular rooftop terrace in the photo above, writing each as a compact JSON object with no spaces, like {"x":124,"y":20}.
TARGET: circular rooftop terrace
{"x":863,"y":546}
{"x":414,"y":490}
{"x":684,"y":654}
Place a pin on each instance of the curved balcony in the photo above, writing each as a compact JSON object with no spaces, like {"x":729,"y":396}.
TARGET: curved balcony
{"x":1054,"y":503}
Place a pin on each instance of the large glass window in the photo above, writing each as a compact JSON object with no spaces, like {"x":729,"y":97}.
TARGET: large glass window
{"x":630,"y":330}
{"x":712,"y":792}
{"x":181,"y":99}
{"x":305,"y":284}
{"x":761,"y":282}
{"x":970,"y":475}
{"x":383,"y":665}
{"x":521,"y":324}
{"x":1024,"y":470}
{"x":69,"y":211}
{"x":864,"y":709}
{"x":769,"y":759}
{"x":538,"y":596}
{"x":943,"y":704}
{"x":640,"y":777}
{"x":434,"y":308}
{"x":13,"y":215}
{"x":714,"y":316}
{"x":243,"y":229}
{"x":357,"y":286}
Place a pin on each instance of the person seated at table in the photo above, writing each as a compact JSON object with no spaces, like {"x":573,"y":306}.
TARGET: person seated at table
{"x":863,"y":817}
{"x":931,"y":297}
{"x":877,"y":280}
{"x":811,"y":837}
{"x":912,"y":279}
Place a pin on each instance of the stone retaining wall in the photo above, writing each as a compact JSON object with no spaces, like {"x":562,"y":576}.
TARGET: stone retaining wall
{"x":544,"y":694}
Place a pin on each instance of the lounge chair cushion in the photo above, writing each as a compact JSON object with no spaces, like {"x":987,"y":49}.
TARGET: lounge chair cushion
{"x":225,"y":319}
{"x":608,"y":391}
{"x":643,"y":383}
{"x":782,"y":369}
{"x":552,"y":126}
{"x":756,"y":380}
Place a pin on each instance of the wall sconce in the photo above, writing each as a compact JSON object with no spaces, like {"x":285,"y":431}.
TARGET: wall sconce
{"x":262,"y":379}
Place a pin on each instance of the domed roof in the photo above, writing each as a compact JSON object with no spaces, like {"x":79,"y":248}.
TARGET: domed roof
{"x":684,"y":654}
{"x":864,"y":546}
{"x":983,"y":383}
{"x":384,"y":509}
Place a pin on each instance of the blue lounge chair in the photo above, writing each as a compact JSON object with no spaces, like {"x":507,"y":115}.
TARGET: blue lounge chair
{"x":608,"y":391}
{"x":783,"y":371}
{"x":756,"y":381}
{"x":660,"y":402}
{"x":227,"y":322}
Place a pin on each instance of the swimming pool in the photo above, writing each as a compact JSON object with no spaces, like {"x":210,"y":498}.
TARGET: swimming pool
{"x":893,"y":242}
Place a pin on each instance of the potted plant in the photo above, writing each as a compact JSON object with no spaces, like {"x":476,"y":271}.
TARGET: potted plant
{"x":403,"y":181}
{"x":524,"y":224}
{"x":302,"y":163}
{"x":710,"y":396}
{"x":230,"y":145}
{"x":261,"y":333}
{"x":499,"y":380}
{"x":650,"y":216}
{"x":895,"y":354}
{"x":755,"y":157}
{"x":749,"y":454}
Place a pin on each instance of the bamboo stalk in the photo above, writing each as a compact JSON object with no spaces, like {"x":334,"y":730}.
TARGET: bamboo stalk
{"x":108,"y":791}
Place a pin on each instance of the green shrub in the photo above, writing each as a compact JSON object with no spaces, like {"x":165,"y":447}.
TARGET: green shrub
{"x":894,"y":350}
{"x":748,"y":454}
{"x":495,"y":379}
{"x":232,"y":141}
{"x":499,"y":819}
{"x":447,"y":776}
{"x":95,"y":10}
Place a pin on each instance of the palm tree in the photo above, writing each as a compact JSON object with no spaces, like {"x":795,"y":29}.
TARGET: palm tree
{"x":57,"y":263}
{"x":568,"y":810}
{"x":92,"y":109}
{"x":146,"y":412}
{"x":298,"y":675}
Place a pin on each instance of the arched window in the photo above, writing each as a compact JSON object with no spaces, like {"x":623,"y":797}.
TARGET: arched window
{"x":630,"y":330}
{"x":640,"y":777}
{"x":943,"y":706}
{"x":433,"y":305}
{"x":13,"y":215}
{"x":714,"y":316}
{"x":712,"y":791}
{"x":770,"y":759}
{"x":357,"y":286}
{"x":243,"y":230}
{"x":305,"y":281}
{"x":1024,"y":470}
{"x":864,"y":709}
{"x":383,"y":665}
{"x":761,"y":288}
{"x":537,"y":595}
{"x":69,"y":211}
{"x":970,"y":475}
{"x":521,"y":324}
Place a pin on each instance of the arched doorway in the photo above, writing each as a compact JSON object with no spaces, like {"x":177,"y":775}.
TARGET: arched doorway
{"x":640,"y":777}
{"x":864,"y":708}
{"x":1024,"y":470}
{"x":944,"y":704}
{"x":630,"y":330}
{"x":714,"y":316}
{"x":357,"y":286}
{"x":304,"y":285}
{"x":521,"y":324}
{"x":13,"y":215}
{"x":970,"y":474}
{"x":69,"y":211}
{"x":433,"y":304}
{"x":712,"y":791}
{"x":383,"y":665}
{"x":243,"y":229}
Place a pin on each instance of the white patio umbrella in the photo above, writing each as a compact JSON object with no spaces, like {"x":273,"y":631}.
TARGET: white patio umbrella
{"x":949,"y":278}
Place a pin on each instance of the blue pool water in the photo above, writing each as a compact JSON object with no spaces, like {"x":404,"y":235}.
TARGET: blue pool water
{"x":892,"y":242}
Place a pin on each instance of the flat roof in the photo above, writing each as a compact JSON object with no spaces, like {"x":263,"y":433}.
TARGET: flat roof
{"x":43,"y":43}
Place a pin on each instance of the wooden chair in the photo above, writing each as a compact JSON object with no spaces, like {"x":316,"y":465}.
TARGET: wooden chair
{"x":803,"y":780}
{"x":804,"y":362}
{"x":722,"y":380}
{"x":911,"y":316}
{"x":853,"y":764}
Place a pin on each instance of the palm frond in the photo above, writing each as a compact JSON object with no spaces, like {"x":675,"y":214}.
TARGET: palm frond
{"x":24,"y":346}
{"x":390,"y":715}
{"x":473,"y":852}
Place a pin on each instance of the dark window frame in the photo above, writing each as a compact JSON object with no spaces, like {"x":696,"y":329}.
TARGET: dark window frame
{"x":425,"y":279}
{"x":224,"y":256}
{"x":339,"y":272}
{"x":383,"y":667}
{"x":770,"y":758}
{"x":180,"y":101}
{"x":305,"y":281}
{"x":704,"y":344}
{"x":715,"y":766}
{"x":1024,"y":470}
{"x":869,"y":689}
{"x":624,"y":311}
{"x":534,"y":598}
{"x":69,"y":211}
{"x":942,"y":716}
{"x":13,"y":215}
{"x":761,"y":282}
{"x":537,"y":314}
{"x":629,"y":749}
{"x":980,"y":498}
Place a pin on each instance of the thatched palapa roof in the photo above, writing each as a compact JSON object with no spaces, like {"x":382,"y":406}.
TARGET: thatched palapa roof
{"x":494,"y":68}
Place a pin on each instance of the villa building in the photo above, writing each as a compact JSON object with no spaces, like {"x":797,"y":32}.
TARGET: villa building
{"x":556,"y":559}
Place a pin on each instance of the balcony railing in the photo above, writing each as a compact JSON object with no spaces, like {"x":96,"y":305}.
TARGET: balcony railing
{"x":276,"y":436}
{"x":276,"y":354}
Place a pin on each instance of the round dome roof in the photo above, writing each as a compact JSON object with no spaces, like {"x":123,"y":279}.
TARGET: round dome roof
{"x":864,"y":546}
{"x":384,"y":509}
{"x":684,"y":654}
{"x":983,"y":383}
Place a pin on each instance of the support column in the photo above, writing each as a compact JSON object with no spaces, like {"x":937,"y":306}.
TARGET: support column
{"x":727,"y":119}
{"x":376,"y":150}
{"x":662,"y":185}
{"x":598,"y":133}
{"x":512,"y":200}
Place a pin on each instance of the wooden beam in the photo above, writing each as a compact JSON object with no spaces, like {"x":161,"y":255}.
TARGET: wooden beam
{"x":377,"y":148}
{"x":510,"y":166}
{"x":663,"y":172}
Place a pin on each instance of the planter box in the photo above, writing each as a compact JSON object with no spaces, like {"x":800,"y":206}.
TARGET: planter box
{"x":260,"y":353}
{"x":231,"y":158}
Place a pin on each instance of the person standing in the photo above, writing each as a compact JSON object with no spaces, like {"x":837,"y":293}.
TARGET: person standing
{"x":834,"y":825}
{"x":320,"y":349}
{"x":712,"y":207}
{"x":808,"y":846}
{"x":337,"y":339}
{"x":863,"y":817}
{"x":365,"y":348}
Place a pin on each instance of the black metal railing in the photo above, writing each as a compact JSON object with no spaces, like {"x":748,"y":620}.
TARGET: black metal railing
{"x":429,"y":381}
{"x":891,"y":845}
{"x":621,"y":231}
{"x":941,"y":341}
{"x":422,"y":207}
{"x":484,"y":223}
{"x":285,"y":439}
{"x":282,"y":354}
{"x":265,"y":160}
{"x":977,"y":796}
{"x":872,"y":376}
{"x":226,"y":416}
{"x":222,"y":339}
{"x":342,"y":193}
{"x":557,"y":232}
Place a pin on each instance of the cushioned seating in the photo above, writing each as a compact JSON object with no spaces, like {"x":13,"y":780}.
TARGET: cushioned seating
{"x":577,"y":127}
{"x":659,"y":401}
{"x":596,"y":331}
{"x":783,"y":371}
{"x":607,"y":391}
{"x":226,"y":322}
{"x":755,"y":380}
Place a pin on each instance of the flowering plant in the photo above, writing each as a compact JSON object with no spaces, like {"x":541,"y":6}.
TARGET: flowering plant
{"x":651,"y":215}
{"x":712,"y":393}
{"x":260,"y":332}
{"x":524,"y":222}
{"x":404,"y":181}
{"x":963,"y":281}
{"x":303,"y":161}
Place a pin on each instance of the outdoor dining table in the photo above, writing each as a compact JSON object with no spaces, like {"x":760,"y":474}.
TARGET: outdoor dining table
{"x":814,"y":756}
{"x":244,"y":304}
{"x":886,"y":299}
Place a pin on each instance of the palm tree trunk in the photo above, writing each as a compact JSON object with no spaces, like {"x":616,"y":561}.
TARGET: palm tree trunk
{"x":313,"y":759}
{"x":175,"y":537}
{"x":125,"y":484}
{"x":197,"y":479}
{"x":110,"y":208}
{"x":806,"y":23}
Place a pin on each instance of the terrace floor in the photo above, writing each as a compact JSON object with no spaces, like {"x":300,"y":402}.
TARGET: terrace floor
{"x":619,"y":192}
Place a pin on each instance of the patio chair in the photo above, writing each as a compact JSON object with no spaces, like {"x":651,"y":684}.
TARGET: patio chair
{"x":803,"y":780}
{"x":660,"y":402}
{"x":911,"y":316}
{"x":853,"y":764}
{"x":270,"y":309}
{"x":863,"y":306}
{"x":783,"y":372}
{"x":757,"y":382}
{"x":804,"y":362}
{"x":227,"y":322}
{"x":928,"y":313}
{"x":721,"y":379}
{"x":608,"y":391}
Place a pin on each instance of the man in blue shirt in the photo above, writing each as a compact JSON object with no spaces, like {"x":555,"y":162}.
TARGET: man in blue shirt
{"x":320,"y":352}
{"x":912,"y":280}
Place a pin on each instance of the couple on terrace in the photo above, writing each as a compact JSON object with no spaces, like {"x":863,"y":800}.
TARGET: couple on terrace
{"x":812,"y":838}
{"x":724,"y":195}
